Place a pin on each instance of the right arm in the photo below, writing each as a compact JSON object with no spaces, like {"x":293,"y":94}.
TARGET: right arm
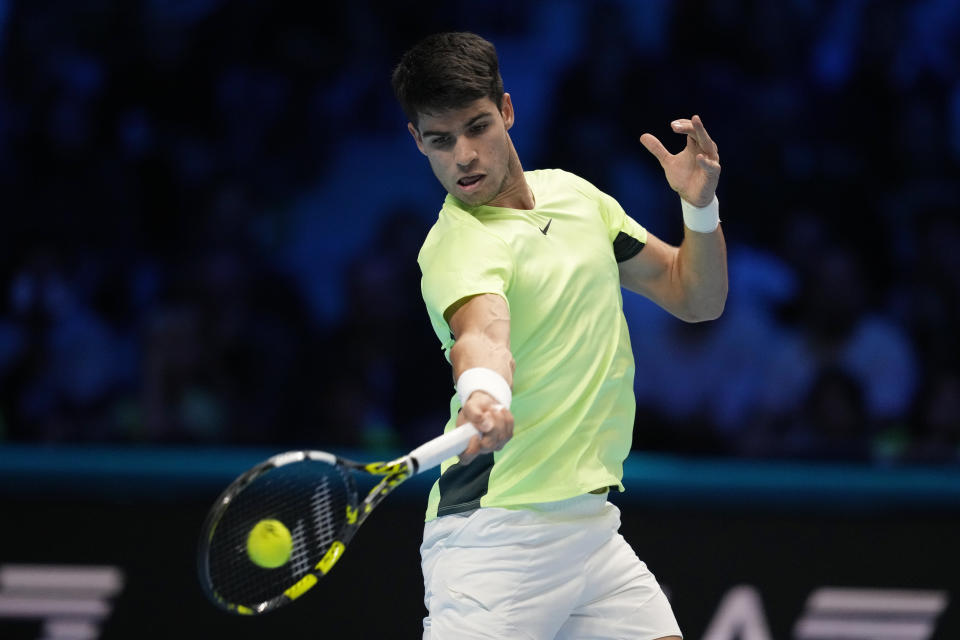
{"x":481,"y":328}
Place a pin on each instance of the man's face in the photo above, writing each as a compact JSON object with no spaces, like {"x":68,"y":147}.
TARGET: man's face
{"x":469,"y":149}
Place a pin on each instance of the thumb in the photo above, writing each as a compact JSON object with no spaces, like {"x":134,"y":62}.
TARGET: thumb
{"x":655,"y":147}
{"x":476,"y":418}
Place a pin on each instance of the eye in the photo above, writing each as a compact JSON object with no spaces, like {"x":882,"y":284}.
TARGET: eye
{"x":440,"y":141}
{"x":478,"y":128}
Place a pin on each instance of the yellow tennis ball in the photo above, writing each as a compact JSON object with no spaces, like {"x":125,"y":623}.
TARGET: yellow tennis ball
{"x":269,"y":544}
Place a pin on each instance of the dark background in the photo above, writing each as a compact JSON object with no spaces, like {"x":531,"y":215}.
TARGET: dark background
{"x":212,"y":210}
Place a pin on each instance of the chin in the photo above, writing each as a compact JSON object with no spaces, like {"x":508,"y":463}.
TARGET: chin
{"x":472,"y":199}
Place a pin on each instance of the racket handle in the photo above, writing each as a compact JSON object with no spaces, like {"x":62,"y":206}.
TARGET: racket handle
{"x":452,"y":443}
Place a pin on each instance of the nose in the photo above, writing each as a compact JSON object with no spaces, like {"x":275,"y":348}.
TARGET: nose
{"x":464,"y":153}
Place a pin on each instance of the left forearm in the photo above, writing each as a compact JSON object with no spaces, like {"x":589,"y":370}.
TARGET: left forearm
{"x":700,"y":271}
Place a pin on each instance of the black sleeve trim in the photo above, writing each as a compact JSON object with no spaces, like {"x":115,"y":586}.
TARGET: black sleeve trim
{"x":625,"y":247}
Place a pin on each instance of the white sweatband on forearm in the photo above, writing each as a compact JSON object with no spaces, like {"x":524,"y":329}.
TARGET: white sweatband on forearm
{"x":701,"y":219}
{"x":483,"y":379}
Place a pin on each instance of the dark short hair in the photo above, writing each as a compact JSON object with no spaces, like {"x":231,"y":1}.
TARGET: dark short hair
{"x":447,"y":71}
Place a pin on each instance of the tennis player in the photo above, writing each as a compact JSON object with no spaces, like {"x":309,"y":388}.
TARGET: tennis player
{"x":522,"y":277}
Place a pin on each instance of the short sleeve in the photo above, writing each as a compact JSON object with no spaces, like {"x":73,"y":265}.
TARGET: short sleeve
{"x":462,"y":261}
{"x":618,"y":221}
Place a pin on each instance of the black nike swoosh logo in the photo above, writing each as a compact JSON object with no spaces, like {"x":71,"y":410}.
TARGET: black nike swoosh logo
{"x":544,"y":230}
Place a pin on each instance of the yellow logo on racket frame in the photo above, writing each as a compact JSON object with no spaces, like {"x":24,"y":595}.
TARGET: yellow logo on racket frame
{"x":385,"y":468}
{"x":331,"y":556}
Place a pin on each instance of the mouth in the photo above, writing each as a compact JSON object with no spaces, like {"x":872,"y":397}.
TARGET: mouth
{"x":470,"y":183}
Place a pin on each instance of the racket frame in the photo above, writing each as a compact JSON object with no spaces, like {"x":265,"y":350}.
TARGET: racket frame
{"x":393,"y":473}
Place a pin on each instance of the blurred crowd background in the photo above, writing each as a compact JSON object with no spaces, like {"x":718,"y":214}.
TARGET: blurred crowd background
{"x":212,"y":210}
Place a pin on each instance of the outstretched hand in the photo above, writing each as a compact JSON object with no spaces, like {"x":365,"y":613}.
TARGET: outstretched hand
{"x":694,"y":172}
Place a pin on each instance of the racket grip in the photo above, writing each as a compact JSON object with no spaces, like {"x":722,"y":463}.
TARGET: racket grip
{"x":430,"y":454}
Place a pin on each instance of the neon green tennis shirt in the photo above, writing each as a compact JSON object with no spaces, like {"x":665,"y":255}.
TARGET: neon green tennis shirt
{"x":573,"y":402}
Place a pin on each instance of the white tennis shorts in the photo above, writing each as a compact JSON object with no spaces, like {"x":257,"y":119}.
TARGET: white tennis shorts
{"x":549,"y":570}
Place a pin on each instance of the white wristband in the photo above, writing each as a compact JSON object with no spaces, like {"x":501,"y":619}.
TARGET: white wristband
{"x":482,"y":379}
{"x":701,"y":219}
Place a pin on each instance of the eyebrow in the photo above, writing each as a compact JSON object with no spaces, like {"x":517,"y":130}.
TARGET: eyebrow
{"x":469,"y":122}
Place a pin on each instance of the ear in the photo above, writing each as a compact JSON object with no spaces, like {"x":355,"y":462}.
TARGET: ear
{"x":416,"y":137}
{"x":506,"y":111}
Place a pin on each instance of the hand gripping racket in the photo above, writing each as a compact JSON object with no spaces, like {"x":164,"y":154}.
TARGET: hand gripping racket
{"x":314,"y":495}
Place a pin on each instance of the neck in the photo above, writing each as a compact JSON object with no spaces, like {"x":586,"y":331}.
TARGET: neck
{"x":516,"y":193}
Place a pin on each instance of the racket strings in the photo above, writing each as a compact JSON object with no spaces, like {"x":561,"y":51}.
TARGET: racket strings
{"x":310,"y":498}
{"x":327,"y":523}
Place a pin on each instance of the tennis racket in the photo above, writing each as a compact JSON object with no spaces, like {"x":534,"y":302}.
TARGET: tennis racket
{"x":313,"y":493}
